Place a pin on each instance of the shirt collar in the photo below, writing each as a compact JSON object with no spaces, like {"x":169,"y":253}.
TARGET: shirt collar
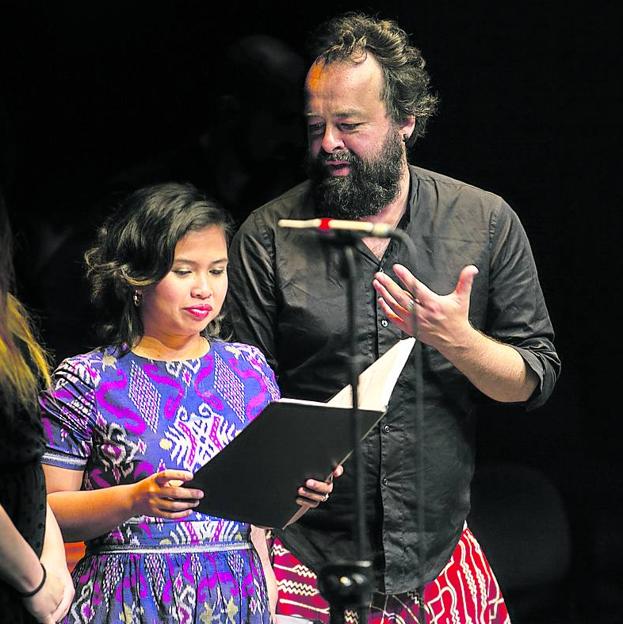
{"x":409,"y":214}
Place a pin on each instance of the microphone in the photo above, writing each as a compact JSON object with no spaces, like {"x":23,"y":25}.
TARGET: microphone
{"x":361,"y":229}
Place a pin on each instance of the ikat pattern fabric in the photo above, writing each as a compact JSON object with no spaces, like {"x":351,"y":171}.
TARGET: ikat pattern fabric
{"x":120,"y":418}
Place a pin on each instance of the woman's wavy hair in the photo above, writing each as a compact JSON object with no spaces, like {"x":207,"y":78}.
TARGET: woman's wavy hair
{"x":406,"y":82}
{"x":135,"y":248}
{"x":24,"y":364}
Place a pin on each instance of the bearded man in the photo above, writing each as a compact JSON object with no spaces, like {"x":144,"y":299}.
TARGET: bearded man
{"x":471,"y":287}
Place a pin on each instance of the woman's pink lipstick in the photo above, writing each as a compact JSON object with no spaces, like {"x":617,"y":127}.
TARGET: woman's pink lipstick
{"x":199,"y":312}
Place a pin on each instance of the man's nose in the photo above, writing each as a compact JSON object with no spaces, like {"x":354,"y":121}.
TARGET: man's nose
{"x":332,"y":140}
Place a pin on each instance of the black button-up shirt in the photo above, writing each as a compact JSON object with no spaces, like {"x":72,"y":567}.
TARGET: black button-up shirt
{"x":287,"y":295}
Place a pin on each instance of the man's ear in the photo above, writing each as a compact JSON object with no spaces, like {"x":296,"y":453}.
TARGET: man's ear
{"x":407,"y":128}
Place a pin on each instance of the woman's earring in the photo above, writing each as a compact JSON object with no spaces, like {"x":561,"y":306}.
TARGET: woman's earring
{"x":137,"y":298}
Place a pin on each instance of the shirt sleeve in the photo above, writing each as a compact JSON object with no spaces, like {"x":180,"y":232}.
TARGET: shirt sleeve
{"x":252,"y":299}
{"x":518,"y":314}
{"x":68,"y":416}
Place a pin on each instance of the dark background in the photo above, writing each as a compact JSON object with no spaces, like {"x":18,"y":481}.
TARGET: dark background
{"x":530,"y":108}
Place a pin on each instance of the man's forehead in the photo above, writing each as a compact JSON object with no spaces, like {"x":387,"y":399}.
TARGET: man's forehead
{"x":365,"y":64}
{"x":344,"y":78}
{"x":314,"y":75}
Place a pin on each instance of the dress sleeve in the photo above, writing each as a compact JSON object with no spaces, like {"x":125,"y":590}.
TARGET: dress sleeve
{"x":68,"y":416}
{"x":252,"y":297}
{"x":518,"y":314}
{"x":267,"y":372}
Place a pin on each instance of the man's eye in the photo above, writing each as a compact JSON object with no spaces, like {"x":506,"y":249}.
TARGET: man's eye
{"x":349,"y":127}
{"x":316,"y":128}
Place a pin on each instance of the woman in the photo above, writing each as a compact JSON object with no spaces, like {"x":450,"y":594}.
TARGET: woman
{"x":34,"y":581}
{"x":128,"y":423}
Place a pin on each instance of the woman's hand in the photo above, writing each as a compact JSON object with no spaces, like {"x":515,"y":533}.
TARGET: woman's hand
{"x":86,"y":514}
{"x":48,"y":578}
{"x":260,"y":539}
{"x":55,"y":562}
{"x":44,"y":605}
{"x":68,"y":593}
{"x":161,"y":495}
{"x":315,"y":492}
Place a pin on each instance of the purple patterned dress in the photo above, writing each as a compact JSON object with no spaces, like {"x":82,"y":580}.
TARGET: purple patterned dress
{"x":120,"y":418}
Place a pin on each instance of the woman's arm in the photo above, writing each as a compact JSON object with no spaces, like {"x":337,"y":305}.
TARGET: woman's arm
{"x":19,"y":564}
{"x":259,"y":537}
{"x":55,"y":562}
{"x":20,"y":567}
{"x":83,"y":515}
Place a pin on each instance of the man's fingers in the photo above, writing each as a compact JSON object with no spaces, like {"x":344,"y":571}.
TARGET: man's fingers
{"x":408,"y":280}
{"x":465,"y":281}
{"x":418,"y":290}
{"x":393,"y":295}
{"x":384,"y":293}
{"x":389,"y":312}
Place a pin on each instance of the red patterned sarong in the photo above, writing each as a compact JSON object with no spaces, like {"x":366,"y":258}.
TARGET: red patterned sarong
{"x":465,"y":592}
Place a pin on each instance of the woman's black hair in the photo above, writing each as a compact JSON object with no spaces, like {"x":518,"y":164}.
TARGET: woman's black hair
{"x":135,"y":248}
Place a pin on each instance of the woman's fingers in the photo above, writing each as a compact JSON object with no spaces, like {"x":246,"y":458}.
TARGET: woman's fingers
{"x":165,"y":477}
{"x":172,"y":481}
{"x":315,"y":492}
{"x":183,"y":493}
{"x":338,"y":471}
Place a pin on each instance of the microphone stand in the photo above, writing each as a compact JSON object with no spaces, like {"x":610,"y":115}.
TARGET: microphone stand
{"x":348,"y":584}
{"x":403,"y":237}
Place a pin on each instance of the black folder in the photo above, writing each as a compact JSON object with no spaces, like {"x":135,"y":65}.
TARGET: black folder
{"x":255,"y":478}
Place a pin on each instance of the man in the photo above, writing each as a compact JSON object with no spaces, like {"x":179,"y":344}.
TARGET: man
{"x":471,"y":286}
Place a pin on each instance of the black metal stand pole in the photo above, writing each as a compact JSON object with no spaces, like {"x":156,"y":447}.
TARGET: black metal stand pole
{"x":419,"y":436}
{"x":347,"y":584}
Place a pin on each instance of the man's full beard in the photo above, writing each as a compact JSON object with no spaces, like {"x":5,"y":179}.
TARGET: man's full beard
{"x":366,"y":190}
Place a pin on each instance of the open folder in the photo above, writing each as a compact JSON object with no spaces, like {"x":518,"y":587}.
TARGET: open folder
{"x":255,"y":478}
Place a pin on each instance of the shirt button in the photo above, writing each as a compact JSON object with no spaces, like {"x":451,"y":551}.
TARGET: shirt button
{"x":384,"y":480}
{"x":384,"y":323}
{"x":386,"y":428}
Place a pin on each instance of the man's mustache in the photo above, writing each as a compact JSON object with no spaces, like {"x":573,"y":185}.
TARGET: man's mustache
{"x":343,"y":156}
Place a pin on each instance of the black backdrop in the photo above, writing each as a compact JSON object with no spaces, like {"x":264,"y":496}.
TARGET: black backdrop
{"x":530,"y":109}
